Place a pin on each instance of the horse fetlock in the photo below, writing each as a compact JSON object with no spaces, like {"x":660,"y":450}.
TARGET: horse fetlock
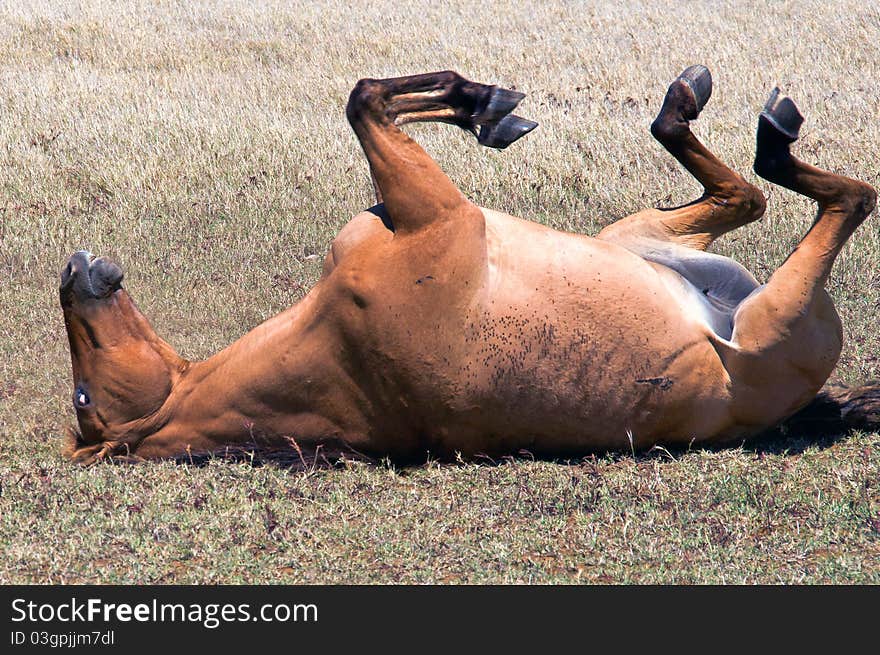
{"x":685,"y":99}
{"x":444,"y":96}
{"x":773,"y":160}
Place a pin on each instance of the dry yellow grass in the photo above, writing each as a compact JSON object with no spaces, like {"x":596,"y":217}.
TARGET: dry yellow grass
{"x":204,"y":146}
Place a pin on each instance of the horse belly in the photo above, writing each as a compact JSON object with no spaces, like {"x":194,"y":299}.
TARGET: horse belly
{"x":577,"y":344}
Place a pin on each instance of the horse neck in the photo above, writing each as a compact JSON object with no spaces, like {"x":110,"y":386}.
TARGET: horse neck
{"x":280,"y":381}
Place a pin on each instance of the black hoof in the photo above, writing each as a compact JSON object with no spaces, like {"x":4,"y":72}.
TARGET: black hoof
{"x":699,"y":79}
{"x":506,"y":131}
{"x":778,"y":127}
{"x":781,"y":112}
{"x":499,"y":104}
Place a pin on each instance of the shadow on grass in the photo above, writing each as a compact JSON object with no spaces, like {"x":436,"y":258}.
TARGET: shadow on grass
{"x":294,"y":459}
{"x":787,"y":441}
{"x":796,"y":442}
{"x":818,"y":426}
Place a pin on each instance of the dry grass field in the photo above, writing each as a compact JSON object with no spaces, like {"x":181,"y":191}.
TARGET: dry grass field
{"x":204,"y":146}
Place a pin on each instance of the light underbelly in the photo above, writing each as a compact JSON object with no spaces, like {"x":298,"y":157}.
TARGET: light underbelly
{"x":706,"y":286}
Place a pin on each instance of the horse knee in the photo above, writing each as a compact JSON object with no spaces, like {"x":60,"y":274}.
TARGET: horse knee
{"x":366,"y":97}
{"x":869,"y":198}
{"x":754,"y":204}
{"x":775,"y":340}
{"x":857,"y":199}
{"x":743,"y":198}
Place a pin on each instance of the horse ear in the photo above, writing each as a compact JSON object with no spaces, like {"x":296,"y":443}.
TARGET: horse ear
{"x":72,"y":440}
{"x":76,"y":449}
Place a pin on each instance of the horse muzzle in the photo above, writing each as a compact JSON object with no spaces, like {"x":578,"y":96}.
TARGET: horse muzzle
{"x":86,"y":277}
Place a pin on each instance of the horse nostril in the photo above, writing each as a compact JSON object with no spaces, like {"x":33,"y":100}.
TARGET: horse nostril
{"x":76,"y":278}
{"x":66,"y":273}
{"x":105,"y":277}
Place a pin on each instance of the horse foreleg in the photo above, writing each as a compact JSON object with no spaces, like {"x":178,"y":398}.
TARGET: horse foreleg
{"x":413,"y":188}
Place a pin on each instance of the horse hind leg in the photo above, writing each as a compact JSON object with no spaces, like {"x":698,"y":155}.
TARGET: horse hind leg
{"x":728,"y":201}
{"x":411,"y":185}
{"x":787,"y":336}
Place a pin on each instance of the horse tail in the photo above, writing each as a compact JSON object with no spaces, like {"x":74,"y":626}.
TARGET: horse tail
{"x":839,"y":408}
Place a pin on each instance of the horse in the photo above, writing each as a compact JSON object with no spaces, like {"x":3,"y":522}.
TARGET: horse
{"x":440,"y":328}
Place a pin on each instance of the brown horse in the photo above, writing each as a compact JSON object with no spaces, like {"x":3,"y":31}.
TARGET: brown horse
{"x":445,"y":328}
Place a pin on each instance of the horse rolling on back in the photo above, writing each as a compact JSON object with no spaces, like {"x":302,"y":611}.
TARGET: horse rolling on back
{"x":446,"y":328}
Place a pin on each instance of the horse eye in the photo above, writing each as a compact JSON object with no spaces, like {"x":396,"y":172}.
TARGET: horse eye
{"x":81,"y":398}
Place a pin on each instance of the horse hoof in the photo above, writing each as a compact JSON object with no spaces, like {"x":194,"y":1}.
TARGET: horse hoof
{"x":778,"y":126}
{"x":699,"y":79}
{"x":781,"y":112}
{"x":500,"y":103}
{"x":506,"y":131}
